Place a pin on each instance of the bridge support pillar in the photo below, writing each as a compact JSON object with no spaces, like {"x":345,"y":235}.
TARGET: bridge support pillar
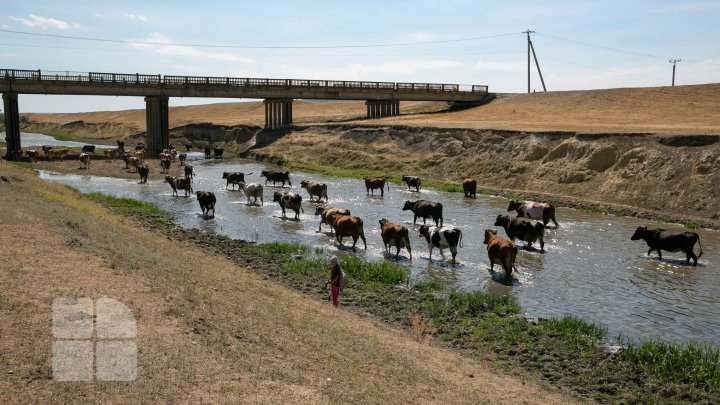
{"x":382,"y":108}
{"x":278,"y":113}
{"x":157,"y":123}
{"x":12,"y":126}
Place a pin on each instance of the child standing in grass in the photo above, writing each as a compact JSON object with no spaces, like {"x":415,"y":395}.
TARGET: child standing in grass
{"x":334,"y":280}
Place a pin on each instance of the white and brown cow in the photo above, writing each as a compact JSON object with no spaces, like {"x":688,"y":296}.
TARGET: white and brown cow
{"x":442,"y":237}
{"x":534,"y":210}
{"x":318,"y":190}
{"x":528,"y":230}
{"x":290,"y":200}
{"x":85,"y":160}
{"x":500,"y":251}
{"x":253,"y":190}
{"x":395,"y":235}
{"x":182,"y":183}
{"x":328,"y":214}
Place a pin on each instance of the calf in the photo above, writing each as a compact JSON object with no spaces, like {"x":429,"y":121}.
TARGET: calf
{"x":182,"y":183}
{"x":470,"y":188}
{"x":233,"y":178}
{"x":671,"y":241}
{"x":109,"y":154}
{"x":412,"y":181}
{"x":500,"y":251}
{"x":425,"y":209}
{"x":165,"y":164}
{"x":528,"y":230}
{"x":88,"y":149}
{"x":315,"y":189}
{"x":276,"y":177}
{"x":182,"y":157}
{"x":372,"y":183}
{"x":290,"y":200}
{"x":143,"y":170}
{"x":85,"y":160}
{"x":441,"y":237}
{"x":207,"y":200}
{"x":348,"y":225}
{"x":395,"y":235}
{"x":534,"y":210}
{"x":328,"y":214}
{"x":190,"y":172}
{"x":254,"y":190}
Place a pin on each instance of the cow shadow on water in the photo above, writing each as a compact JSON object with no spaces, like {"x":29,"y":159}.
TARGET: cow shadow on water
{"x":676,"y":261}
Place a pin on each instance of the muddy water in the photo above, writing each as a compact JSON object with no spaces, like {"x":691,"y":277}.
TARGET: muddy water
{"x":590,"y":269}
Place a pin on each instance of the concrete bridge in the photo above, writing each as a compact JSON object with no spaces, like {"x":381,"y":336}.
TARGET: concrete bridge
{"x":381,"y":98}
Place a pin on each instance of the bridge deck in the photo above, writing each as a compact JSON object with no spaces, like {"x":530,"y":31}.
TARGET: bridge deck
{"x":119,"y":84}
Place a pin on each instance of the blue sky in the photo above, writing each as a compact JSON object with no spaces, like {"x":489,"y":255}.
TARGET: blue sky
{"x":658,"y":30}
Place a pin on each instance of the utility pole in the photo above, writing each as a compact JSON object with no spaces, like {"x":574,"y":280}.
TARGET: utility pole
{"x":531,"y":48}
{"x":674,"y":62}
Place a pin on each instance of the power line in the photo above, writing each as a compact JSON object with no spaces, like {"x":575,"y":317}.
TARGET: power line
{"x":118,"y":41}
{"x":607,"y":48}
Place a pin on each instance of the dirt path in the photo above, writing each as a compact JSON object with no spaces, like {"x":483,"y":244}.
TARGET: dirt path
{"x":208,"y":331}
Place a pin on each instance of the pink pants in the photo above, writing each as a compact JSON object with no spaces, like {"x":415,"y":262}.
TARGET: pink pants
{"x":334,"y":291}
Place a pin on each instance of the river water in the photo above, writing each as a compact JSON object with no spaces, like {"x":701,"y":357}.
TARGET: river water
{"x":591,"y":268}
{"x":30,"y":140}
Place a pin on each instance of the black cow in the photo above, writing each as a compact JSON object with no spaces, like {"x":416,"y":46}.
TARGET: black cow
{"x":276,"y":177}
{"x":412,"y":181}
{"x":289,"y":200}
{"x":190,"y":172}
{"x":88,"y":149}
{"x":207,"y":202}
{"x":208,"y":151}
{"x":234,"y":178}
{"x":442,"y":237}
{"x":671,"y":241}
{"x":424,"y":209}
{"x":143,"y":170}
{"x":525,"y":229}
{"x":218,"y":152}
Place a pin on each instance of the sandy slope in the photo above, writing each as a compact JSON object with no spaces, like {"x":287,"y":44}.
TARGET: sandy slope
{"x":208,"y":331}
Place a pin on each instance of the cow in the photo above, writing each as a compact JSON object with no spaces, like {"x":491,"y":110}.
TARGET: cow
{"x":500,"y":251}
{"x":131,"y":161}
{"x":165,"y":154}
{"x":425,"y":209}
{"x":276,"y":177}
{"x":290,"y":200}
{"x":58,"y":152}
{"x":182,"y":157}
{"x":165,"y":164}
{"x":528,"y":230}
{"x":32,"y":154}
{"x":188,"y":146}
{"x":534,"y":210}
{"x":254,"y":190}
{"x":218,"y":152}
{"x":470,"y":188}
{"x":140,"y":146}
{"x":327,"y":214}
{"x":208,"y":151}
{"x":182,"y":183}
{"x":395,"y":235}
{"x":442,"y":237}
{"x":189,"y":171}
{"x":671,"y":241}
{"x":207,"y":202}
{"x":121,"y":147}
{"x":143,"y":170}
{"x":315,"y":189}
{"x":85,"y":160}
{"x":372,"y":183}
{"x":46,"y":150}
{"x":234,"y":178}
{"x":109,"y":154}
{"x":140,"y":155}
{"x":88,"y":149}
{"x":412,"y":181}
{"x":348,"y":225}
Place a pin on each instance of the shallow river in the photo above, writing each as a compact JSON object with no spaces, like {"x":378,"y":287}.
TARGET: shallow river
{"x":590,"y":269}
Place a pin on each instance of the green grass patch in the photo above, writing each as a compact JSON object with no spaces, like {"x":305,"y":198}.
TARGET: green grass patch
{"x":59,"y":137}
{"x":428,"y":286}
{"x":24,"y":165}
{"x":381,"y":272}
{"x":465,"y":305}
{"x":691,"y":225}
{"x":132,"y":206}
{"x":285,"y":249}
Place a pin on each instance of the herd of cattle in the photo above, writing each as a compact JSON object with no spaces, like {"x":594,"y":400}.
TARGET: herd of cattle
{"x":529,"y":225}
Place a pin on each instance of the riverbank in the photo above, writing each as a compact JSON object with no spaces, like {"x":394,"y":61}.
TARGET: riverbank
{"x":210,"y":329}
{"x":108,"y":168}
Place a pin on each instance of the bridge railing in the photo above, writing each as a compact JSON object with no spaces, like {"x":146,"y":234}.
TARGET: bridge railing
{"x":141,"y":79}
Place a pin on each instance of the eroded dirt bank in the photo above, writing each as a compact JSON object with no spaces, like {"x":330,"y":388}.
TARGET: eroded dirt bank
{"x":662,"y":176}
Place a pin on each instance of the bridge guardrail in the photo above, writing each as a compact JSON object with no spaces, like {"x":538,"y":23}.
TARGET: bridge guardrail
{"x":143,"y":79}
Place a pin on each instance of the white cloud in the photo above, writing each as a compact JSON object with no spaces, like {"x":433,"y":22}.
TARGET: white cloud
{"x":162,"y":45}
{"x":45,"y":22}
{"x":136,"y":17}
{"x":501,"y":66}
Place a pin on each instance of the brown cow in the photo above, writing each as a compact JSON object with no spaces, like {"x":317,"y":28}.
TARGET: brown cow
{"x":182,"y":183}
{"x":328,"y":214}
{"x":165,"y":164}
{"x":318,"y":190}
{"x":143,"y":170}
{"x":109,"y":154}
{"x":372,"y":183}
{"x":500,"y":251}
{"x":395,"y":235}
{"x":470,"y":188}
{"x":58,"y":152}
{"x":132,"y":161}
{"x":348,"y":225}
{"x":534,"y":210}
